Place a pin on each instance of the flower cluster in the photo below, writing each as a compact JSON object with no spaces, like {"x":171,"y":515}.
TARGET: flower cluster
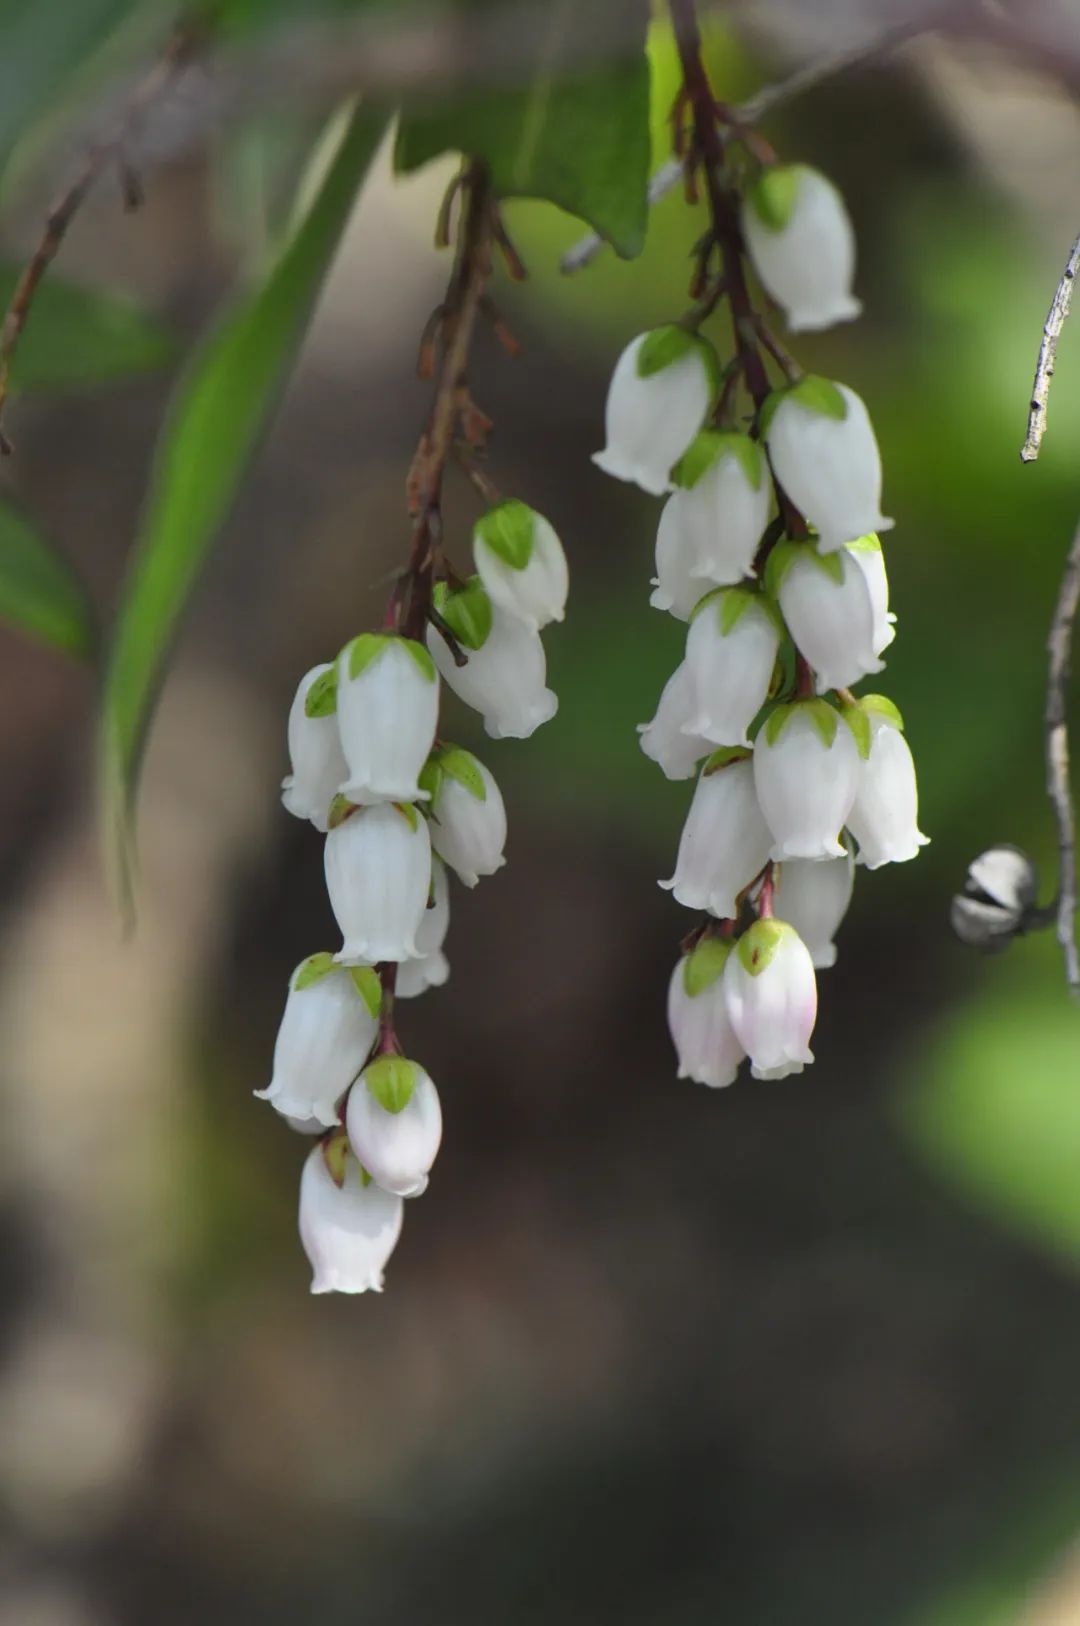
{"x":784,"y":615}
{"x":400,"y":809}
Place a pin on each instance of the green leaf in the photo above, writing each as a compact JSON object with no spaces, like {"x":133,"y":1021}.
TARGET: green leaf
{"x":216,"y":420}
{"x":360,"y":651}
{"x":705,"y":963}
{"x":772,"y":196}
{"x":757,"y":947}
{"x":463,"y":766}
{"x":708,"y":447}
{"x":466,"y":611}
{"x":391,"y":1081}
{"x":321,"y":698}
{"x":724,"y":757}
{"x":859,"y":723}
{"x":577,"y":136}
{"x":882,"y":706}
{"x":507,"y":529}
{"x":77,"y":337}
{"x":313,"y":970}
{"x":368,"y":986}
{"x":39,"y":594}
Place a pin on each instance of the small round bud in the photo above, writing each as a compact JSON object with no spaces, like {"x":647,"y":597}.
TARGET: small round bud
{"x":998,"y":895}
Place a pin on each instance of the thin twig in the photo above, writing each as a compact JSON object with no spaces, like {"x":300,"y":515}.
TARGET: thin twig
{"x":1059,"y":646}
{"x":99,"y":155}
{"x":1044,"y":368}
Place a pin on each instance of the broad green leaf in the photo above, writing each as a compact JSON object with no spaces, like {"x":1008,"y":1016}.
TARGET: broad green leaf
{"x":576,"y":135}
{"x":39,"y":594}
{"x":78,"y":336}
{"x":217,"y":418}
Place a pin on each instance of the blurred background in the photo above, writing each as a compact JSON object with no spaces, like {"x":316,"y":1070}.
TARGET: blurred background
{"x":795,"y":1354}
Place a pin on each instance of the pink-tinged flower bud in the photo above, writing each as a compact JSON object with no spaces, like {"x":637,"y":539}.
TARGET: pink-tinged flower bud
{"x":711,"y":526}
{"x":802,"y":244}
{"x":318,"y":765}
{"x":521,"y":563}
{"x":505,"y":674}
{"x":825,"y":600}
{"x":468,"y":818}
{"x":431,"y":968}
{"x":885,"y":817}
{"x":378,"y":872}
{"x":328,"y":1027}
{"x":806,"y":771}
{"x":826,"y":458}
{"x":348,"y":1231}
{"x":725,"y":840}
{"x":701,"y":1030}
{"x":869,"y":555}
{"x":394,"y":1122}
{"x":731,"y":650}
{"x":388,"y":710}
{"x":666,"y":739}
{"x":813,"y":897}
{"x":659,"y":395}
{"x":771,"y":997}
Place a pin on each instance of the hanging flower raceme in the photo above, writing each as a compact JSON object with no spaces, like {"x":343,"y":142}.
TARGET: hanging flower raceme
{"x":318,"y":765}
{"x":378,"y":875}
{"x":802,"y":244}
{"x":885,"y":816}
{"x":349,"y":1226}
{"x":806,"y":772}
{"x":771,"y":996}
{"x":387,"y":710}
{"x":824,"y":455}
{"x":394,"y":1123}
{"x":668,"y":739}
{"x":505,"y":670}
{"x":431,"y":968}
{"x":825,"y":601}
{"x":711,"y":525}
{"x":731,"y":651}
{"x":813,"y":896}
{"x":521,"y":563}
{"x":725,"y":842}
{"x":468,"y":818}
{"x":660,"y":392}
{"x":701,"y":1030}
{"x":328,"y":1027}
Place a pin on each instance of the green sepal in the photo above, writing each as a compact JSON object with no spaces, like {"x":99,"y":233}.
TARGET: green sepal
{"x":823,"y":717}
{"x":704,"y":964}
{"x":368,"y":986}
{"x":391,"y":1081}
{"x":870,"y":543}
{"x":859,"y":724}
{"x":340,"y":809}
{"x":819,"y":395}
{"x":321,"y":698}
{"x":784,"y":555}
{"x":507,"y":529}
{"x":408,"y":813}
{"x":466,"y":611}
{"x":313,"y":970}
{"x":666,"y":345}
{"x":422,"y":656}
{"x":773,"y":195}
{"x":463,"y":766}
{"x":430,"y":777}
{"x":757,"y":947}
{"x":336,"y":1150}
{"x":724,"y":757}
{"x":882,"y":706}
{"x":708,"y":447}
{"x":732,"y":604}
{"x":360,"y":651}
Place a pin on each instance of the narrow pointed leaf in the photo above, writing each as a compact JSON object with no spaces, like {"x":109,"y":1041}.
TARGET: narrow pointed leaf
{"x":39,"y":593}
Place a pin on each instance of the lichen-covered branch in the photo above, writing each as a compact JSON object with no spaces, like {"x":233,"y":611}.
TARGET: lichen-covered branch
{"x":1044,"y":369}
{"x":1059,"y":645}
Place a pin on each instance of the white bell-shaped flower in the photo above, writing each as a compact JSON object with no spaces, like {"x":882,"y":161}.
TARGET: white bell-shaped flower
{"x":378,"y":872}
{"x":721,"y":507}
{"x":387,"y":710}
{"x":813,"y":896}
{"x":731,"y":650}
{"x":504,"y":677}
{"x":771,"y":996}
{"x":394,"y":1122}
{"x":468,"y":818}
{"x":318,"y":765}
{"x":677,"y":587}
{"x":329,"y":1025}
{"x":698,"y":1020}
{"x":998,"y":894}
{"x":348,"y":1231}
{"x":825,"y":600}
{"x":725,"y":841}
{"x":521,"y":563}
{"x":659,"y":395}
{"x":885,"y":817}
{"x":825,"y":457}
{"x":806,"y":771}
{"x":431,"y":968}
{"x":801,"y":241}
{"x":666,"y":739}
{"x":869,"y":555}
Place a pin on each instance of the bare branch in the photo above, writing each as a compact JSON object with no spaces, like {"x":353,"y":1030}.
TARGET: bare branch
{"x":1044,"y":368}
{"x":1059,"y":646}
